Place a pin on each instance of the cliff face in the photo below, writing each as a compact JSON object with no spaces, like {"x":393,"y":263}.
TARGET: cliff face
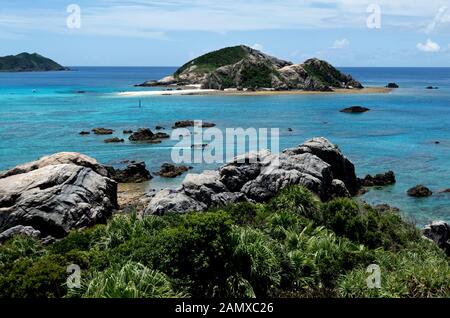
{"x":26,"y":62}
{"x":242,"y":67}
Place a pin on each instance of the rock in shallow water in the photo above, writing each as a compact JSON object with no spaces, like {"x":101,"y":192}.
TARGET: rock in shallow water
{"x":419,"y":191}
{"x":135,"y":172}
{"x":259,"y":176}
{"x":171,"y":171}
{"x":381,"y":179}
{"x":355,"y":110}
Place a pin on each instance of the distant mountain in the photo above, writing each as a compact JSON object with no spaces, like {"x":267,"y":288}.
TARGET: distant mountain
{"x":242,"y":67}
{"x":26,"y":62}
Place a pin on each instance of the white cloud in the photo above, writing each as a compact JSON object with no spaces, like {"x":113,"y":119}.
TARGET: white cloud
{"x":154,"y":18}
{"x":340,"y":44}
{"x":440,"y":18}
{"x":429,"y":46}
{"x":258,"y":46}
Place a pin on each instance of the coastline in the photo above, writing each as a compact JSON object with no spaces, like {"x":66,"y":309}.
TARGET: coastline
{"x":185,"y":92}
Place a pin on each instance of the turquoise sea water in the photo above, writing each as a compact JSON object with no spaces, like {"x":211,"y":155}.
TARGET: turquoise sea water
{"x":399,"y":132}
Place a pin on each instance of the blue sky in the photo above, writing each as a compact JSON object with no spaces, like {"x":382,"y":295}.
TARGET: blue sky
{"x":170,"y":32}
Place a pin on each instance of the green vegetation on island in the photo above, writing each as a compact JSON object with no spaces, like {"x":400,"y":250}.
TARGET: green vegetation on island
{"x":292,"y":246}
{"x":26,"y":62}
{"x":241,"y":67}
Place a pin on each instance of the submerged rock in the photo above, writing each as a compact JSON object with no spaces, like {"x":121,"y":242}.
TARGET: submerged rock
{"x":113,"y":140}
{"x":84,"y":133}
{"x":381,"y":179}
{"x":355,"y":109}
{"x":419,"y":191}
{"x":259,"y":176}
{"x":439,"y":233}
{"x":56,"y":194}
{"x":127,"y":132}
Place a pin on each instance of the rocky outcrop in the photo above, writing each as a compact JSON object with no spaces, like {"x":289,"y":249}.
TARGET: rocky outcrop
{"x":259,"y":176}
{"x":419,"y":191}
{"x":19,"y":230}
{"x":392,"y":85}
{"x":171,"y":171}
{"x":355,"y":110}
{"x":244,"y":68}
{"x":135,"y":172}
{"x":72,"y":158}
{"x":103,"y":131}
{"x":147,"y":136}
{"x":192,"y":123}
{"x":381,"y":179}
{"x":56,"y":194}
{"x":439,"y":233}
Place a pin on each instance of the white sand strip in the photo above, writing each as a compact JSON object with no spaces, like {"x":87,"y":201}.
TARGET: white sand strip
{"x":161,"y":93}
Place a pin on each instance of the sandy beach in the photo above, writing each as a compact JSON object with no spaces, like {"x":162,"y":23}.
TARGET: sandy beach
{"x":367,"y":90}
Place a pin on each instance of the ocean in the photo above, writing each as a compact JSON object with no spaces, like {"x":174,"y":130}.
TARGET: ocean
{"x":42,"y":113}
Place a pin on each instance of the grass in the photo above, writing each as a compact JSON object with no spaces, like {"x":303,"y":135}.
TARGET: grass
{"x":213,"y":60}
{"x":293,"y":246}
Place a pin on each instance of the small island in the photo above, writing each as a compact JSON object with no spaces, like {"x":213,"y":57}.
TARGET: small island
{"x":242,"y":68}
{"x":26,"y":62}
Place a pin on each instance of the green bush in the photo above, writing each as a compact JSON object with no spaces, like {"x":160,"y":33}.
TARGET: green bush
{"x":132,"y":280}
{"x":418,"y":272}
{"x":365,"y":225}
{"x":195,"y":253}
{"x":298,"y":200}
{"x":41,"y":278}
{"x":257,"y":257}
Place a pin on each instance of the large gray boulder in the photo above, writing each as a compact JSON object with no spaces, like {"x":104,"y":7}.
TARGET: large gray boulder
{"x":172,"y":201}
{"x":56,"y":194}
{"x":259,"y":176}
{"x":342,"y":168}
{"x":74,"y":158}
{"x":439,"y":233}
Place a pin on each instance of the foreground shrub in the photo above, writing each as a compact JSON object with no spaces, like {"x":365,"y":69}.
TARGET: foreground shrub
{"x":196,"y":253}
{"x":298,"y":200}
{"x":41,"y":278}
{"x":257,"y":257}
{"x":418,"y":272}
{"x":133,"y":280}
{"x":365,"y":225}
{"x":316,"y":259}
